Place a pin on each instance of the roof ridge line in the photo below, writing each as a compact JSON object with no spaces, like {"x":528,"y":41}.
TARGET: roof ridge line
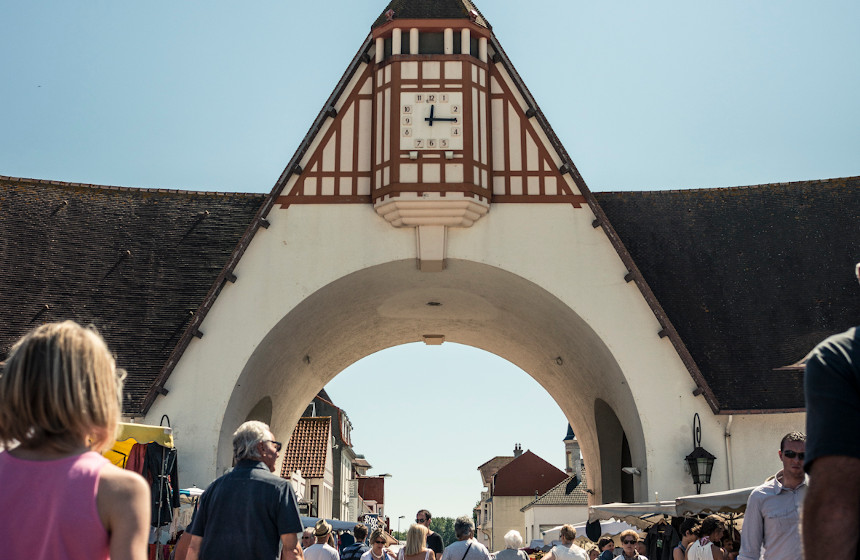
{"x":54,"y":183}
{"x":739,"y":187}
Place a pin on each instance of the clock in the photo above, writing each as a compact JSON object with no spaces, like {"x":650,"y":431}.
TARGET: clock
{"x":431,"y":120}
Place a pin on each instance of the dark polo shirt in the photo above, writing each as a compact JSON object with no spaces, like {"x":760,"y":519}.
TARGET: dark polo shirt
{"x":244,"y":513}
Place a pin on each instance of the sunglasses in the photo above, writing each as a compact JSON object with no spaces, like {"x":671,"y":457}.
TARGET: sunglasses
{"x":792,"y":454}
{"x":419,"y":520}
{"x":378,"y":542}
{"x":628,"y":541}
{"x":278,"y":445}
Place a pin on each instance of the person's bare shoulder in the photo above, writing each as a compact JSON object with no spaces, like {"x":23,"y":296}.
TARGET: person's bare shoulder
{"x":120,"y":488}
{"x":119,"y":482}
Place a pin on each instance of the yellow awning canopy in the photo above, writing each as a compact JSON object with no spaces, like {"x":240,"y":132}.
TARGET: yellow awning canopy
{"x":129,"y":434}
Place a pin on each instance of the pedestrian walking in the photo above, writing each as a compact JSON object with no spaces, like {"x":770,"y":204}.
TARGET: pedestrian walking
{"x":629,"y":538}
{"x":355,"y":550}
{"x":707,"y":544}
{"x":321,"y":550}
{"x":60,"y":401}
{"x":249,"y":512}
{"x":772,"y":517}
{"x":378,"y":547}
{"x":434,"y":540}
{"x":513,"y":544}
{"x":832,"y":385}
{"x":567,"y":550}
{"x":466,"y":547}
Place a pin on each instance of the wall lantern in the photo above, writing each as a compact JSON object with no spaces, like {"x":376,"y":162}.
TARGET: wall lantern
{"x":701,"y":462}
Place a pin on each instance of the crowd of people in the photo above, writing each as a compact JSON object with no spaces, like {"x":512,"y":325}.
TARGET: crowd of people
{"x":60,"y":402}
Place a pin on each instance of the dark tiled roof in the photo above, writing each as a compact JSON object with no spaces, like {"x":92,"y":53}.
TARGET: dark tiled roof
{"x":133,"y":262}
{"x":751,"y":277}
{"x":429,"y":9}
{"x":568,"y":492}
{"x":308,"y":448}
{"x":526,"y":475}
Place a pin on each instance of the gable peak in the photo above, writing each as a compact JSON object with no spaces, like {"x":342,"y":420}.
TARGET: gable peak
{"x":430,"y":9}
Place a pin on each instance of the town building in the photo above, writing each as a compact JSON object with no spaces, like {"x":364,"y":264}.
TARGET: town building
{"x":566,"y":502}
{"x":512,"y":487}
{"x":309,"y":454}
{"x":342,"y":455}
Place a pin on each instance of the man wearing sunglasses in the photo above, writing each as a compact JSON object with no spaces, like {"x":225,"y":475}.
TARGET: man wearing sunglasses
{"x":434,"y":540}
{"x":248,"y":513}
{"x":772,"y":518}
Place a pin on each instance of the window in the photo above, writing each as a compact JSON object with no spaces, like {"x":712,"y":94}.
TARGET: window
{"x":315,"y":500}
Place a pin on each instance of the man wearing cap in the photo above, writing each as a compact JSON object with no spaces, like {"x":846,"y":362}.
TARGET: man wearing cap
{"x":831,"y":512}
{"x":321,"y":550}
{"x":248,"y":513}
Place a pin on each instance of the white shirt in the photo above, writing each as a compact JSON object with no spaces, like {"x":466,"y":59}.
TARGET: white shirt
{"x":569,"y":553}
{"x":772,"y":521}
{"x":320,"y":552}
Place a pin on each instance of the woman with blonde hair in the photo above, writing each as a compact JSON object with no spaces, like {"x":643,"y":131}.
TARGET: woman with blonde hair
{"x":416,"y":544}
{"x":567,"y":550}
{"x":513,"y":544}
{"x":378,"y":550}
{"x":60,"y":400}
{"x":629,"y":538}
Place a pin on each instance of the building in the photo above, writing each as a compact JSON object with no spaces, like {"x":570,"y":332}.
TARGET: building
{"x":309,"y":453}
{"x":482,"y":512}
{"x":342,"y":454}
{"x":430,"y":177}
{"x":566,"y":502}
{"x":514,"y":485}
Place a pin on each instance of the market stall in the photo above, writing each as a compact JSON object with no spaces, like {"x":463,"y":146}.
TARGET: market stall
{"x":150,"y":451}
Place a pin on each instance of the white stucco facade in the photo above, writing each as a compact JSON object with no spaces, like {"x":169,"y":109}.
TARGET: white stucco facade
{"x":326,"y":285}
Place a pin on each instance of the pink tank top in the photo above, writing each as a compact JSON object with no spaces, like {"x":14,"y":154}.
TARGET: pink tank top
{"x":48,"y":508}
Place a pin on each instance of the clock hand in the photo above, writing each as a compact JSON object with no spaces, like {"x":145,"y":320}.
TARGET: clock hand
{"x":431,"y":118}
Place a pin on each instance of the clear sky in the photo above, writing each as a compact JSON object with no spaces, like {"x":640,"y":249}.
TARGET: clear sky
{"x":217,"y":95}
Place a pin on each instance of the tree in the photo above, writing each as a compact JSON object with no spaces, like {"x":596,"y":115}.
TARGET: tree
{"x":445,"y":527}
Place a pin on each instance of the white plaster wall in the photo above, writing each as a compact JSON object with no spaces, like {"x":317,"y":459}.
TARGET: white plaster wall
{"x":304,"y":248}
{"x":552,"y":246}
{"x":536,"y":516}
{"x":507,"y":516}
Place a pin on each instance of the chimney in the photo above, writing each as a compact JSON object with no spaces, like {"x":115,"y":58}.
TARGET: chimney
{"x":518,"y":450}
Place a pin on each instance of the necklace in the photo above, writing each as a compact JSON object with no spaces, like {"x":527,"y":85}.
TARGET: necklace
{"x":375,"y":556}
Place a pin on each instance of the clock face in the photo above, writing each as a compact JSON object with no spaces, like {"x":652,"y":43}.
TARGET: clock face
{"x":431,"y":120}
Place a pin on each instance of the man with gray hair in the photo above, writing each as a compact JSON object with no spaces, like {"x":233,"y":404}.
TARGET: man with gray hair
{"x":466,"y":547}
{"x":249,"y":512}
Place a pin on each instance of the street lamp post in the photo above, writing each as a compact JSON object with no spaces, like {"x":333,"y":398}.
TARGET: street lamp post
{"x":398,"y":523}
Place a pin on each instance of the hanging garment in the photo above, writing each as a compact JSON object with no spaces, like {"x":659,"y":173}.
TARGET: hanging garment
{"x":661,"y":540}
{"x":160,"y":466}
{"x":137,"y":459}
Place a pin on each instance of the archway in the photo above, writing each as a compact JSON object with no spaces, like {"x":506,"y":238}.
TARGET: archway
{"x":471,"y":303}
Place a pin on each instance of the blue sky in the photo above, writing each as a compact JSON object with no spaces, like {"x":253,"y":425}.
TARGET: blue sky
{"x":644,"y":95}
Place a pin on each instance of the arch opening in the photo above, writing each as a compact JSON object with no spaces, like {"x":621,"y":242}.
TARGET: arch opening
{"x":470,"y":303}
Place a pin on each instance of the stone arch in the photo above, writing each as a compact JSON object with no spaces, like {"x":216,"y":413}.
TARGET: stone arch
{"x":617,"y":452}
{"x":389,"y":304}
{"x":262,"y":411}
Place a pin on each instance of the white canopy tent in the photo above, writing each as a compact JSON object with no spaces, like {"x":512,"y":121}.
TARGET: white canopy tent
{"x":641,"y":515}
{"x":608,"y":527}
{"x":645,"y":514}
{"x":729,"y":501}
